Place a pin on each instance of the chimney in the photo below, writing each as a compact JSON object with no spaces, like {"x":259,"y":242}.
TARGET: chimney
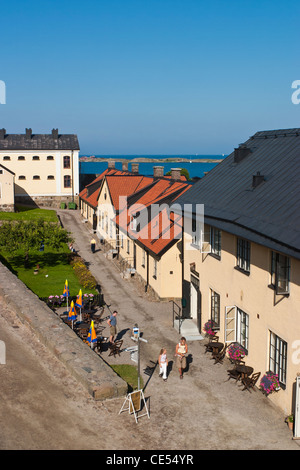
{"x":135,"y":168}
{"x":158,"y":171}
{"x":124,"y":166}
{"x":241,"y":152}
{"x":55,"y":133}
{"x":175,"y":174}
{"x":110,"y":164}
{"x":2,"y":133}
{"x":257,"y":179}
{"x":28,"y":133}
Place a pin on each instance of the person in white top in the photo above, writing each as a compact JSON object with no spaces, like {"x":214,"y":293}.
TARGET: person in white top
{"x":163,"y":364}
{"x":180,"y":353}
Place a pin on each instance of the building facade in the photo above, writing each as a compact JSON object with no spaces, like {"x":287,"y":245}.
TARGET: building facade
{"x":46,"y":166}
{"x":7,"y":190}
{"x":242,"y":267}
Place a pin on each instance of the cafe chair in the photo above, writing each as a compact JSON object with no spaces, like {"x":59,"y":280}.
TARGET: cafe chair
{"x":249,"y":382}
{"x":208,"y":346}
{"x":234,"y":373}
{"x":115,"y":348}
{"x":219,"y":357}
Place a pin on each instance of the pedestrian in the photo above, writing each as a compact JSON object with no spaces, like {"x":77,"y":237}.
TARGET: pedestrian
{"x":93,"y":245}
{"x":180,"y":353}
{"x":163,"y":364}
{"x":112,"y":322}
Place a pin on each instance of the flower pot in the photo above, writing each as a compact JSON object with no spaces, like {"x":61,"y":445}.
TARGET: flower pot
{"x":291,"y":425}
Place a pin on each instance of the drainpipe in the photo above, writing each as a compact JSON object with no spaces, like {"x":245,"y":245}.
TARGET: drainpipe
{"x":147,"y":285}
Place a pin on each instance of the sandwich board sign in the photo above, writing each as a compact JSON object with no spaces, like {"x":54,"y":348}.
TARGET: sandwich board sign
{"x":134,"y":401}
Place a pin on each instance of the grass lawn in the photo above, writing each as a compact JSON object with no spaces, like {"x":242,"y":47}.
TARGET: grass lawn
{"x":53,"y":272}
{"x":129,"y":374}
{"x":26,"y":213}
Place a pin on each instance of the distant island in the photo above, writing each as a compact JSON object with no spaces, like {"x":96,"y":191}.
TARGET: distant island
{"x":150,"y":160}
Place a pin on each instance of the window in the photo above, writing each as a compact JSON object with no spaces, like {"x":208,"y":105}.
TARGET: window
{"x":122,"y":241}
{"x":22,"y":177}
{"x":128,"y":246}
{"x":236,"y":326}
{"x":6,"y":158}
{"x":50,"y":177}
{"x":67,"y":162}
{"x":155,"y":269}
{"x":67,"y":181}
{"x":243,"y":254}
{"x":278,"y":357}
{"x":50,"y":157}
{"x":215,"y":241}
{"x":280,"y":273}
{"x":21,"y":157}
{"x":242,"y":328}
{"x":35,"y":157}
{"x":215,"y":308}
{"x":200,"y":238}
{"x":36,"y":177}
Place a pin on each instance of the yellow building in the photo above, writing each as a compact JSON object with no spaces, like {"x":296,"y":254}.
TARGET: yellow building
{"x":7,"y":190}
{"x":46,"y":166}
{"x":242,"y":266}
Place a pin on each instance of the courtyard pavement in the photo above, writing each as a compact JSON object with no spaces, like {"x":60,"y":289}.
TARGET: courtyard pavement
{"x":202,"y":411}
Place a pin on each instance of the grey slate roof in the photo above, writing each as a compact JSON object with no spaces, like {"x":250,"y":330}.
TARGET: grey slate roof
{"x":31,"y":141}
{"x":268,"y":214}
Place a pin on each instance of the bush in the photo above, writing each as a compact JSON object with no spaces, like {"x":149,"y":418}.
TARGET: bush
{"x":85,"y":278}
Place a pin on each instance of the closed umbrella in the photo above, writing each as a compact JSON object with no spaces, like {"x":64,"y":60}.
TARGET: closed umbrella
{"x":92,"y":336}
{"x":72,"y":313}
{"x":78,"y":302}
{"x":66,"y":292}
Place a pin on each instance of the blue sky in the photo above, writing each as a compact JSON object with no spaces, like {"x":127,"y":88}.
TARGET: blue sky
{"x":150,"y":76}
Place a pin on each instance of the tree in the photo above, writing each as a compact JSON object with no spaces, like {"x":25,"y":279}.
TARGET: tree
{"x":27,"y":235}
{"x":183,"y":172}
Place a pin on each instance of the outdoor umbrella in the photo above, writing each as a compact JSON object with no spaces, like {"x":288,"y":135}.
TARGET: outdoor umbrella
{"x":92,"y":336}
{"x":66,"y":292}
{"x":72,"y":313}
{"x":79,"y":302}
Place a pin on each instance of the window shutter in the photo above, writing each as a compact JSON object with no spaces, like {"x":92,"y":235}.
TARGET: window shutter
{"x":230,"y":324}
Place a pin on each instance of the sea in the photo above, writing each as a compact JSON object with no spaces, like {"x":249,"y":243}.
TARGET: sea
{"x":195,"y":169}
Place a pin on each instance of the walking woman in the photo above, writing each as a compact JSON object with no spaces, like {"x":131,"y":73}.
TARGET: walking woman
{"x":180,"y":353}
{"x":163,"y":364}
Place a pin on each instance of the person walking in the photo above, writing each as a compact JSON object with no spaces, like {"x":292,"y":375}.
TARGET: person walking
{"x":180,"y":353}
{"x":93,"y":245}
{"x":163,"y":364}
{"x":112,"y":322}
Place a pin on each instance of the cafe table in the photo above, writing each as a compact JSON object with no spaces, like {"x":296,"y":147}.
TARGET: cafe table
{"x":216,"y":347}
{"x":244,"y":370}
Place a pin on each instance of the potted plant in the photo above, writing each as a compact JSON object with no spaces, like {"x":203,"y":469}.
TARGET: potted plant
{"x":290,"y":422}
{"x":208,"y":328}
{"x":269,"y":383}
{"x":236,"y":351}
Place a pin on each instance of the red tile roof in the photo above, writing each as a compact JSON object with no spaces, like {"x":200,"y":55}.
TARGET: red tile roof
{"x":163,"y":229}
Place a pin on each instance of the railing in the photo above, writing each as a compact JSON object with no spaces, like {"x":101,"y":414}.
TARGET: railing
{"x":177,"y":314}
{"x":126,"y":263}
